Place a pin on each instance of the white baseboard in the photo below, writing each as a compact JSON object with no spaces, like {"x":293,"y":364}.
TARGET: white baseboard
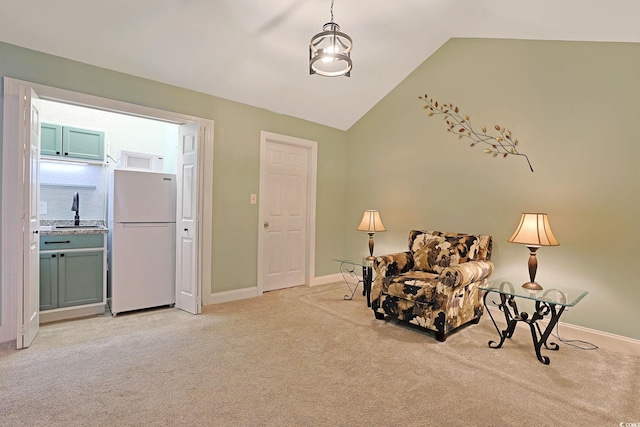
{"x":606,"y":340}
{"x":251,"y":292}
{"x":602,"y":339}
{"x":323,"y":280}
{"x":234,"y":295}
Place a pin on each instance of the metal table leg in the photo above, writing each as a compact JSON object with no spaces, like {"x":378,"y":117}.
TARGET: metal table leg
{"x":510,"y":309}
{"x":367,"y":276}
{"x":348,"y":269}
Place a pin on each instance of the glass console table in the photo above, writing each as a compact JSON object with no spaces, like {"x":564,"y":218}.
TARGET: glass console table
{"x":348,"y":266}
{"x":550,"y":302}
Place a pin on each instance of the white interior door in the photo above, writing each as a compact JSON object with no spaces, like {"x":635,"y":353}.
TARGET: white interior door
{"x":283,"y":205}
{"x":187,"y":220}
{"x":31,"y":264}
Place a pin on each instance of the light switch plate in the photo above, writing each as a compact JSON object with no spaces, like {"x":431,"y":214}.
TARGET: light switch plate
{"x":253,"y":200}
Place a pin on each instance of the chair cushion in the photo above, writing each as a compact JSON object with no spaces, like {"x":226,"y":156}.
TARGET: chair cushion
{"x":434,"y":251}
{"x":412,"y":285}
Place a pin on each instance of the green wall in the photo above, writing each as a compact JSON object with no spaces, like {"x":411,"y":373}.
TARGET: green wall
{"x":574,"y":107}
{"x":236,"y":156}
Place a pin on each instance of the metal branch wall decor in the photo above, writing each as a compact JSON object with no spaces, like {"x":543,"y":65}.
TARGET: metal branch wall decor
{"x":500,"y":143}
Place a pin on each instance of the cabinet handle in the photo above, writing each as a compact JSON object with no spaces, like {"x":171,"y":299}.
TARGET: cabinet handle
{"x":35,"y":232}
{"x":53,"y":243}
{"x":57,"y":152}
{"x":53,"y":256}
{"x":61,"y":255}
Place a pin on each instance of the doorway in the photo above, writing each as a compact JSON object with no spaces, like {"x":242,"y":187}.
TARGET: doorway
{"x":13,"y":289}
{"x":286,"y":237}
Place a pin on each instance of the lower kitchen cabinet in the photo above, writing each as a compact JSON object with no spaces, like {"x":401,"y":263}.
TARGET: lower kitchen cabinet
{"x":48,"y":281}
{"x":71,"y":277}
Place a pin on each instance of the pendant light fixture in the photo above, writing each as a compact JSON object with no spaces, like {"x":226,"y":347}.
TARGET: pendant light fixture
{"x":330,"y":51}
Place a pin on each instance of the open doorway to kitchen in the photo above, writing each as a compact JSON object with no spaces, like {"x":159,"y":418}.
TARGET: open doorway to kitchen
{"x":199,"y":140}
{"x":125,"y":136}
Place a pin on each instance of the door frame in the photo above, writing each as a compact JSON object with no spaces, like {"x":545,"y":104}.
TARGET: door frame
{"x":12,"y":187}
{"x":312,"y":171}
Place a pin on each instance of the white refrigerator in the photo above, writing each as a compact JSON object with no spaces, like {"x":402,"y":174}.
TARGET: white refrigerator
{"x":141,"y":250}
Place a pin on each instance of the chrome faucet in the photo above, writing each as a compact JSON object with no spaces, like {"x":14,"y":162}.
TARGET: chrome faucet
{"x":75,"y":206}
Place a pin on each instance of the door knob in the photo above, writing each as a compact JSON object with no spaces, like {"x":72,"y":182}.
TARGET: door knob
{"x":266,"y":224}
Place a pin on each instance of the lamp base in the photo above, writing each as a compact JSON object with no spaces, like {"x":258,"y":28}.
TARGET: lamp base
{"x":534,"y":286}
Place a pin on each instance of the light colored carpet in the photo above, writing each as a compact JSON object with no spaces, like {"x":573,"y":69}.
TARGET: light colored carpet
{"x":303,"y":357}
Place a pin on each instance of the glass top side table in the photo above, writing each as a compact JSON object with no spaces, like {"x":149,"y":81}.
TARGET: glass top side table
{"x":348,"y":267}
{"x":551,"y":301}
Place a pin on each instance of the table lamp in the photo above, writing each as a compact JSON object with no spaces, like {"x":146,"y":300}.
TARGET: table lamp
{"x":371,"y":223}
{"x":533,"y":231}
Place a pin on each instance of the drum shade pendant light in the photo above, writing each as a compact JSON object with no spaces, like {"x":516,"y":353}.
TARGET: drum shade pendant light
{"x":330,"y":51}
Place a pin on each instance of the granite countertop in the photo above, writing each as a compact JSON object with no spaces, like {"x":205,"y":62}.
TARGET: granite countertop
{"x":48,"y":227}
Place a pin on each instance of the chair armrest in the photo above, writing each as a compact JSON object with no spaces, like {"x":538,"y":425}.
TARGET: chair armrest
{"x":393,"y":264}
{"x":465,"y":273}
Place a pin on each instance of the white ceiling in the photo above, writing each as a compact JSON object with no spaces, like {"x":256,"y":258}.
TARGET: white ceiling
{"x":256,"y":51}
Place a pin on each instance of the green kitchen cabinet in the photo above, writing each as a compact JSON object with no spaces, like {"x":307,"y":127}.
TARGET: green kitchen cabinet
{"x":48,"y":281}
{"x":50,"y":140}
{"x":80,"y":278}
{"x":71,"y":270}
{"x":82,"y":143}
{"x":67,"y":142}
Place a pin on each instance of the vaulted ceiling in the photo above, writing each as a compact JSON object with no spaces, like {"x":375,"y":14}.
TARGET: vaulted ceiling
{"x":256,"y":51}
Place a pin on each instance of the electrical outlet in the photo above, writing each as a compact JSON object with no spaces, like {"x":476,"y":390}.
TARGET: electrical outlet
{"x":254,"y":199}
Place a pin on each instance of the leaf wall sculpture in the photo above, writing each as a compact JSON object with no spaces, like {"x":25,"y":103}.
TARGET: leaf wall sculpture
{"x":499,"y":141}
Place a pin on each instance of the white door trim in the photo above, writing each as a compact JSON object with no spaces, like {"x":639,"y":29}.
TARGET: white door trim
{"x":12,"y":201}
{"x":312,"y":148}
{"x":11,"y":238}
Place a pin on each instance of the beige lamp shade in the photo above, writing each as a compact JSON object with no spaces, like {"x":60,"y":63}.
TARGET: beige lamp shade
{"x":534,"y":230}
{"x":371,"y":222}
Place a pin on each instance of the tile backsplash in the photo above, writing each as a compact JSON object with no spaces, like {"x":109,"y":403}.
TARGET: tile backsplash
{"x":58,"y":182}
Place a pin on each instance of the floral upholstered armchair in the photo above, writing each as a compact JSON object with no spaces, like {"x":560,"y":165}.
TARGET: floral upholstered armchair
{"x":435,"y":284}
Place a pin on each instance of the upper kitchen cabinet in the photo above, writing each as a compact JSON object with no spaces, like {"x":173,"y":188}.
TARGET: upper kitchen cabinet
{"x":50,"y":139}
{"x":71,"y":143}
{"x":83,"y":143}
